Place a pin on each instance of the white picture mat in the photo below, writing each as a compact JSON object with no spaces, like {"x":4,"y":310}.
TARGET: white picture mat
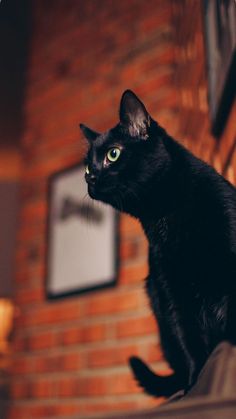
{"x":82,"y":254}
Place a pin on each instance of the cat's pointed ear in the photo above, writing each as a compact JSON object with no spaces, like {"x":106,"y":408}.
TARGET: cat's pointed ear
{"x":134,"y":115}
{"x":89,"y":134}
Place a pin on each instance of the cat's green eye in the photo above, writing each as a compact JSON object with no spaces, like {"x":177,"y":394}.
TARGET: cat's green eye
{"x":113,"y":154}
{"x":87,"y":170}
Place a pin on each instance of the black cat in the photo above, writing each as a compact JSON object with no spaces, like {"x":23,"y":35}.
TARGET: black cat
{"x":188,"y":213}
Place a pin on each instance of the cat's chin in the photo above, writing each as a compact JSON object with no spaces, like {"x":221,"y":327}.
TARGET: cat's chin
{"x":94,"y":193}
{"x":101,"y":196}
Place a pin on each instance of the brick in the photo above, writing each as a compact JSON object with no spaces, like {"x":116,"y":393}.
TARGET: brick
{"x":22,"y":412}
{"x":115,"y":355}
{"x":81,"y":387}
{"x":22,"y":365}
{"x":26,"y":296}
{"x":19,"y":389}
{"x":113,"y":303}
{"x":44,"y":410}
{"x":44,"y":340}
{"x":136,"y":326}
{"x":129,"y":226}
{"x":133,"y":247}
{"x":50,"y":314}
{"x":97,"y":386}
{"x":165,"y":54}
{"x":123,"y":384}
{"x":153,"y":352}
{"x":19,"y":343}
{"x":84,"y":334}
{"x":129,"y":250}
{"x":70,"y":361}
{"x":34,"y":209}
{"x":106,"y":407}
{"x":155,"y":83}
{"x":22,"y":276}
{"x":44,"y":364}
{"x":42,"y":388}
{"x":155,"y":20}
{"x":133,"y":273}
{"x":56,"y":362}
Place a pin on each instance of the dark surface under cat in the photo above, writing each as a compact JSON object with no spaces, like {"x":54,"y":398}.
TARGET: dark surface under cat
{"x":188,"y":213}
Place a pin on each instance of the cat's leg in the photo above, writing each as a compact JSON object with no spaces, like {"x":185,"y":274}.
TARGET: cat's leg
{"x":154,"y":384}
{"x":174,"y":343}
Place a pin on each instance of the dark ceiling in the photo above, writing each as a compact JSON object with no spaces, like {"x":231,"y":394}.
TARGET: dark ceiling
{"x":14,"y":42}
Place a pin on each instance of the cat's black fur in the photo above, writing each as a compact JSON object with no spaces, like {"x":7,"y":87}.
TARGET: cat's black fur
{"x":188,"y":213}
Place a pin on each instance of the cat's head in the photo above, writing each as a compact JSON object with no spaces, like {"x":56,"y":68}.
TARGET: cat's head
{"x":122,"y":161}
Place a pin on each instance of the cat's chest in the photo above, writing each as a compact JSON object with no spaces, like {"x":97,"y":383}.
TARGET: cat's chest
{"x":168,"y":243}
{"x":169,"y":285}
{"x":171,"y":257}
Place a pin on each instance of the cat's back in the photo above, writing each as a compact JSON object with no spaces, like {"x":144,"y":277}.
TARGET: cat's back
{"x":198,"y":238}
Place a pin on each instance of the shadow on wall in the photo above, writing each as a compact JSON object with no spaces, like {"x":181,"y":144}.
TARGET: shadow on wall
{"x":14,"y":38}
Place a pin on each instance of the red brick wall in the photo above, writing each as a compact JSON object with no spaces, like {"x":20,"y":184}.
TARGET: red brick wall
{"x":193,"y":125}
{"x":70,"y":356}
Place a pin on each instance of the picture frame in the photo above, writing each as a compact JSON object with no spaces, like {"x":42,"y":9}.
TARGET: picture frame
{"x":82,"y":237}
{"x":220,"y":39}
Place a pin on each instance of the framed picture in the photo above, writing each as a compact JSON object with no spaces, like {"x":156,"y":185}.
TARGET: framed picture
{"x":82,"y":237}
{"x":220,"y":39}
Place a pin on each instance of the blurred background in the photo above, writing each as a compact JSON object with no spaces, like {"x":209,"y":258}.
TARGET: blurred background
{"x":64,"y":62}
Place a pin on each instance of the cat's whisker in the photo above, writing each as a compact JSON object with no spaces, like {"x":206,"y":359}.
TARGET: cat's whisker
{"x":88,"y":221}
{"x":86,"y":198}
{"x":120,"y":200}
